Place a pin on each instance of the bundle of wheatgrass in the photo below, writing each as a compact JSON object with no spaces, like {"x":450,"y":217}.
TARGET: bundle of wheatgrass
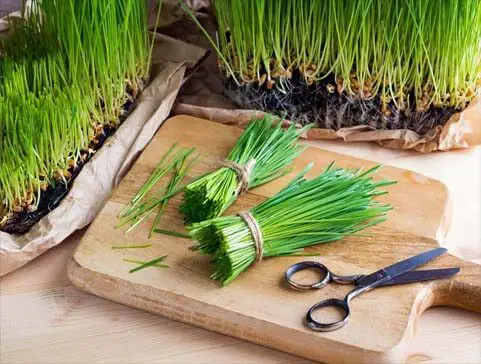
{"x":261,"y":154}
{"x":390,"y":64}
{"x":335,"y":204}
{"x":69,"y":74}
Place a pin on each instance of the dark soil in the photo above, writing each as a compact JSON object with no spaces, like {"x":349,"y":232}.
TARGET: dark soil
{"x":21,"y":222}
{"x":306,"y":104}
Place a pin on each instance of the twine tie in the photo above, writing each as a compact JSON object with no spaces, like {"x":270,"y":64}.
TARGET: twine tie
{"x":255,"y":232}
{"x":243,"y":173}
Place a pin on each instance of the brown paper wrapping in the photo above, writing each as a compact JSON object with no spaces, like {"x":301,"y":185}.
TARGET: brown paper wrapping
{"x":102,"y":173}
{"x":462,"y":131}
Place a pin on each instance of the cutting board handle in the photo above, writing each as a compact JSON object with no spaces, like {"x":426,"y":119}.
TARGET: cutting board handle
{"x":463,"y":290}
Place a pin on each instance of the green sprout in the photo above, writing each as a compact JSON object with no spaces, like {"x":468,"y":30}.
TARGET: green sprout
{"x":406,"y":52}
{"x":66,"y":73}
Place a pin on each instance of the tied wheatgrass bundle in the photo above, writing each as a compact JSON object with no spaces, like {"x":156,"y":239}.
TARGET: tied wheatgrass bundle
{"x":261,"y":154}
{"x":335,"y":204}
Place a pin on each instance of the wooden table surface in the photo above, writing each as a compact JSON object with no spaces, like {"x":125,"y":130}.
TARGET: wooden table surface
{"x":44,"y":319}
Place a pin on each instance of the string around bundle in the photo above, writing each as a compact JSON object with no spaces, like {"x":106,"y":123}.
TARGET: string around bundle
{"x":256,"y":233}
{"x":243,"y":171}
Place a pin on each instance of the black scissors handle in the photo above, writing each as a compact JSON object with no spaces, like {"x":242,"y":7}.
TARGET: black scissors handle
{"x":331,"y":326}
{"x":342,"y":305}
{"x":328,"y":276}
{"x":398,"y":273}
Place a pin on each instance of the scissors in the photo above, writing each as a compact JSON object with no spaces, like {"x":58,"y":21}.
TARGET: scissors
{"x":398,"y":273}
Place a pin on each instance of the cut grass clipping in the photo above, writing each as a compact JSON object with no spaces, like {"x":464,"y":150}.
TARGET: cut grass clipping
{"x":391,"y":64}
{"x":152,"y":197}
{"x":67,"y":73}
{"x":157,"y":262}
{"x":151,"y":263}
{"x":261,"y":154}
{"x":335,"y":204}
{"x":131,"y":246}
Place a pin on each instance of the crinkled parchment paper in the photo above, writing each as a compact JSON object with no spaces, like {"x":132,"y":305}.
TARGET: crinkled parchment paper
{"x":94,"y":184}
{"x":462,"y":131}
{"x":202,"y":97}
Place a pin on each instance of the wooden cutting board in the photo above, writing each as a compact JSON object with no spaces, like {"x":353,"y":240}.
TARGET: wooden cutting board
{"x":258,"y":306}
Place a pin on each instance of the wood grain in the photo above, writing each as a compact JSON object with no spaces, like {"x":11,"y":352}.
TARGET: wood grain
{"x":45,"y":320}
{"x":257,"y":307}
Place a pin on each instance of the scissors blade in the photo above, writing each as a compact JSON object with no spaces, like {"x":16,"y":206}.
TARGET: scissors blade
{"x":401,"y":267}
{"x":422,"y":275}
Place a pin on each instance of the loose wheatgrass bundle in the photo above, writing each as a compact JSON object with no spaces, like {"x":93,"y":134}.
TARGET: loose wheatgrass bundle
{"x":155,"y":195}
{"x":69,"y":74}
{"x":261,"y":154}
{"x":390,"y":64}
{"x":335,"y":204}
